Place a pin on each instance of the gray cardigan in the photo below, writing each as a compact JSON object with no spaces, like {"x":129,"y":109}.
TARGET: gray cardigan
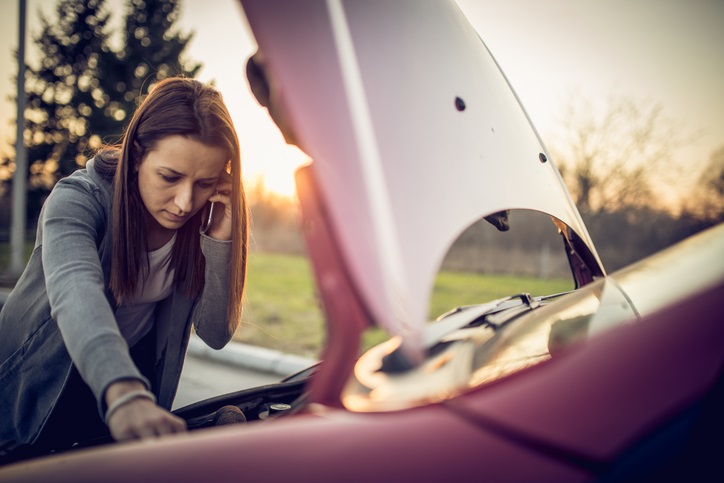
{"x":61,"y":312}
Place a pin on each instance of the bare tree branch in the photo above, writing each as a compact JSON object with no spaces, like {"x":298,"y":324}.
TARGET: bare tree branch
{"x":616,"y":151}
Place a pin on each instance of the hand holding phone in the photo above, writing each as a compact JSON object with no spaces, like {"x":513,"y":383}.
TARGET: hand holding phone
{"x":217,"y":222}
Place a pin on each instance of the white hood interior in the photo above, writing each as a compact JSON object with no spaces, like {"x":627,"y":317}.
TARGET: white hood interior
{"x":415,"y":134}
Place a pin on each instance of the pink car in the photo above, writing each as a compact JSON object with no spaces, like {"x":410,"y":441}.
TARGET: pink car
{"x":416,"y":136}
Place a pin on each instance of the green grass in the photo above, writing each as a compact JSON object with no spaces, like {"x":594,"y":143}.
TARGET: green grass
{"x":280,"y":307}
{"x":455,"y":289}
{"x":281,"y":310}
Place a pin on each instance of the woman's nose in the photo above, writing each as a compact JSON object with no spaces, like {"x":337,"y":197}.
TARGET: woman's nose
{"x":184,"y":199}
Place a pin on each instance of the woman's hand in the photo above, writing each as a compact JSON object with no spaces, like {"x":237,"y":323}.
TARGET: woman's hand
{"x":139,"y":418}
{"x":220,"y":228}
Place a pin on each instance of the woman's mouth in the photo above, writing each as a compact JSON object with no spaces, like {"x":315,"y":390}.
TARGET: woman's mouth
{"x":176,"y":218}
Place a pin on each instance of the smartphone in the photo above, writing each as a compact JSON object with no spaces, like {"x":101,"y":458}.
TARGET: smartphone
{"x":205,"y":226}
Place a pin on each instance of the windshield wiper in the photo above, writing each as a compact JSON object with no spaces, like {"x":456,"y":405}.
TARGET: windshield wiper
{"x":456,"y":319}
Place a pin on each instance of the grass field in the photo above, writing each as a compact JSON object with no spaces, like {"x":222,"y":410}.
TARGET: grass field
{"x":281,"y":309}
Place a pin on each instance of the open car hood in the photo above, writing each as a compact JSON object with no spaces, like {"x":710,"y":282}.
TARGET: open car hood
{"x":415,"y":134}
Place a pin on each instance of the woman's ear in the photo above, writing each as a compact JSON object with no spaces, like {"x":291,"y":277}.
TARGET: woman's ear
{"x":136,"y":156}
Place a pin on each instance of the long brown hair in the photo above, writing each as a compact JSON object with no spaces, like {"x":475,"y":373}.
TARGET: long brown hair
{"x":175,"y":106}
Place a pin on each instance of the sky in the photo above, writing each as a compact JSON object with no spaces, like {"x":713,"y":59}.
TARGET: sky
{"x":667,"y":52}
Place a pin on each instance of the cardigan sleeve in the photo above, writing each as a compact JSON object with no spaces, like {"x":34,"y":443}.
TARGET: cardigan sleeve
{"x":73,"y":224}
{"x":210,"y":317}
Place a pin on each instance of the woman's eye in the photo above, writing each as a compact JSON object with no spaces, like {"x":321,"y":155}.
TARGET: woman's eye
{"x":169,"y":179}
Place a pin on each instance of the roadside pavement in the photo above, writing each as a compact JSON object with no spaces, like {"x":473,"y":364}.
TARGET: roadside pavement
{"x":208,"y":372}
{"x":203,"y":378}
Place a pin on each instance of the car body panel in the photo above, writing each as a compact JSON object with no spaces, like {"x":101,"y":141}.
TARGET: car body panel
{"x":289,"y":451}
{"x":596,"y":405}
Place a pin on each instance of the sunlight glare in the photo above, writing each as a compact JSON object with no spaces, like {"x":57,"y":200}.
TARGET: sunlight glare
{"x":275,"y":168}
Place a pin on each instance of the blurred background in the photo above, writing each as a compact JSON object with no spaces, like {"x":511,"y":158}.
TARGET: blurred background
{"x":626,"y":95}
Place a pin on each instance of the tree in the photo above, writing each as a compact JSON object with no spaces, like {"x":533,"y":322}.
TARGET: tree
{"x":64,"y":94}
{"x":153,"y":48}
{"x":707,"y":202}
{"x":83,"y":91}
{"x":616,"y":157}
{"x":614,"y":153}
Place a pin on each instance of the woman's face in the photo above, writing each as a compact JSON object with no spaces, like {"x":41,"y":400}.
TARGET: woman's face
{"x":177,"y":177}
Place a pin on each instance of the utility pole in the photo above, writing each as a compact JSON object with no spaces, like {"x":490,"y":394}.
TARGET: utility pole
{"x":17,"y":235}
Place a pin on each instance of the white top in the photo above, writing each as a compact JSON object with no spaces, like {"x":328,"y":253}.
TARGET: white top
{"x":135,"y":316}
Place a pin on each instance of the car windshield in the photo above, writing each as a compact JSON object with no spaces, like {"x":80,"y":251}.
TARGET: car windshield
{"x":497,"y":308}
{"x":544,"y":333}
{"x":506,"y":340}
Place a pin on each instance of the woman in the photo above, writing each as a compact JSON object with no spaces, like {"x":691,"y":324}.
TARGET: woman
{"x":95,"y":331}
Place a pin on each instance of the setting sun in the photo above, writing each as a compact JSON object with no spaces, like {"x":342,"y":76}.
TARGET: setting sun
{"x":276,"y":170}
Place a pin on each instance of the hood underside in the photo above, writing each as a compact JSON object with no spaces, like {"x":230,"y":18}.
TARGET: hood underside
{"x":414,"y":132}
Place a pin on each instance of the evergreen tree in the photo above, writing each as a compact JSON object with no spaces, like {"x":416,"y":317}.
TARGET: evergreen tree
{"x":84,"y":90}
{"x":153,"y":48}
{"x":64,"y":93}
